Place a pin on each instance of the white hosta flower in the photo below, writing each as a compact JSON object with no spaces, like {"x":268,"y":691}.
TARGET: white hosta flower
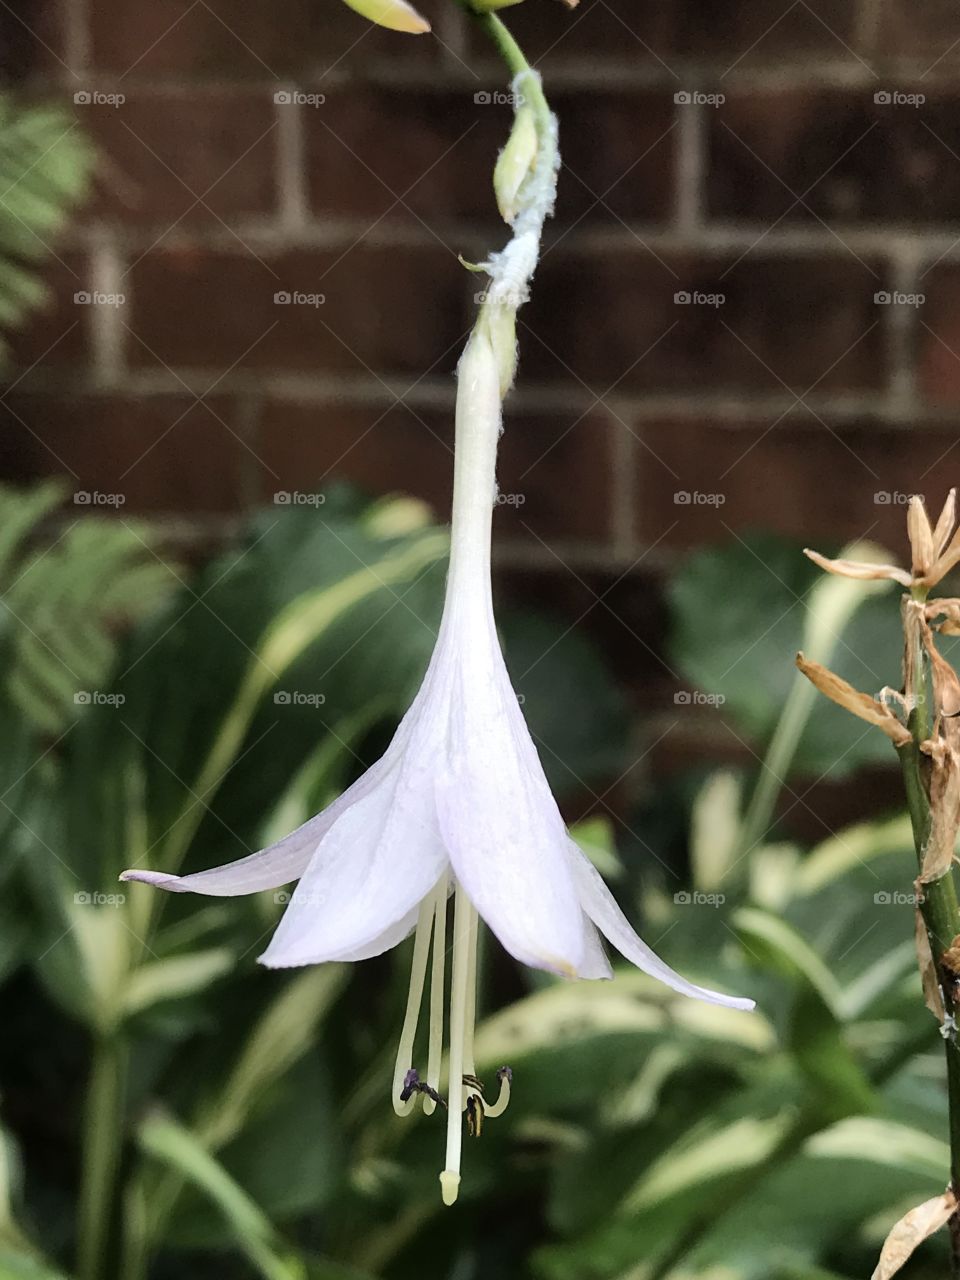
{"x":458,"y":803}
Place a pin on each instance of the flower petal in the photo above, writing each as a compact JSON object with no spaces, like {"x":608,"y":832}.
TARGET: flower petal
{"x":391,"y":937}
{"x":376,"y":863}
{"x":601,"y":907}
{"x":595,"y":963}
{"x":506,"y":839}
{"x":272,"y":867}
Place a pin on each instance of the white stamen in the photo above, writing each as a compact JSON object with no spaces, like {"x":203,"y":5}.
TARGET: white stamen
{"x":435,"y":1050}
{"x":497,"y":1108}
{"x":464,"y":916}
{"x":418,"y":973}
{"x":469,"y":1062}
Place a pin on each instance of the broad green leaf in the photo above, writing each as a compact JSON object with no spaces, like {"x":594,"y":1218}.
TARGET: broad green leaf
{"x":175,"y":976}
{"x":772,"y":940}
{"x":175,"y":1146}
{"x":740,"y":613}
{"x":715,"y":830}
{"x":276,"y":1042}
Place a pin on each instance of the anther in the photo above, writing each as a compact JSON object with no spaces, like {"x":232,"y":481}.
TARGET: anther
{"x":474,"y":1115}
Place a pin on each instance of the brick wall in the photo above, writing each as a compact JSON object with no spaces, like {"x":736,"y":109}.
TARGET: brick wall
{"x":765,"y":153}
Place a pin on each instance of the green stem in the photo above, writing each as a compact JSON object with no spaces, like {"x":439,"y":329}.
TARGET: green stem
{"x":939,"y":907}
{"x":507,"y":47}
{"x":102,"y":1141}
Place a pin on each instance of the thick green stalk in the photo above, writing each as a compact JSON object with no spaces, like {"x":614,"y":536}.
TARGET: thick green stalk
{"x":102,"y":1141}
{"x":939,"y":906}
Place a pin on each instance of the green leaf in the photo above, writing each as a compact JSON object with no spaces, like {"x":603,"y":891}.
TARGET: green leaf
{"x":176,"y":1147}
{"x":739,"y":614}
{"x":45,"y":166}
{"x":174,"y":977}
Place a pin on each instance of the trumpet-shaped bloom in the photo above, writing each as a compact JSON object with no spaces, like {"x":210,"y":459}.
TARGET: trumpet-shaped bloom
{"x":458,"y":803}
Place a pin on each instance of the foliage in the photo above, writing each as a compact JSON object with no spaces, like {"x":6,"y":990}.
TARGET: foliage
{"x":246,"y":1113}
{"x":45,"y":165}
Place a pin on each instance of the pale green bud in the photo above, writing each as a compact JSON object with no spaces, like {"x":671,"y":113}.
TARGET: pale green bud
{"x":501,"y":324}
{"x":514,"y":163}
{"x":395,"y":14}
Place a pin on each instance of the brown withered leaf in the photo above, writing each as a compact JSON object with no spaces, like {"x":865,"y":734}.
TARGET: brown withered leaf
{"x":944,"y":810}
{"x":859,"y":568}
{"x":920,"y":535}
{"x":945,"y":523}
{"x":911,"y":1231}
{"x":852,"y":700}
{"x":946,"y":683}
{"x":932,"y":996}
{"x":949,"y":610}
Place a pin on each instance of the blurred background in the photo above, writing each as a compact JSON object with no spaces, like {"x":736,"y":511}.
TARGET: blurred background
{"x":231,"y":308}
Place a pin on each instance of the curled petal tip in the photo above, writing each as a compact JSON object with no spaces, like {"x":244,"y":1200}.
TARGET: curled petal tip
{"x":449,"y":1186}
{"x":159,"y":879}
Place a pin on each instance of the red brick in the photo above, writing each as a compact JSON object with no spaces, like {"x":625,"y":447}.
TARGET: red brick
{"x":785,"y":320}
{"x":368,"y":147}
{"x":31,"y":40}
{"x":237,"y":39}
{"x":381,"y":450}
{"x":798,"y":476}
{"x":623,"y":613}
{"x":850,"y":158}
{"x":553,"y":473}
{"x":618,"y":157}
{"x":58,"y":332}
{"x":938,"y":321}
{"x":161,"y":154}
{"x":925,"y":34}
{"x":394,"y":310}
{"x":163,"y":454}
{"x":729,"y":32}
{"x":561,"y":467}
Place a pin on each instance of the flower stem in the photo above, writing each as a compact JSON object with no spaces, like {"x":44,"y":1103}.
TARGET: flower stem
{"x":939,"y":906}
{"x":102,"y":1139}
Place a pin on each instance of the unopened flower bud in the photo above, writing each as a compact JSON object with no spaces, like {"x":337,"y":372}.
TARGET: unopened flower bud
{"x":489,"y":6}
{"x":395,"y":14}
{"x":515,"y":162}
